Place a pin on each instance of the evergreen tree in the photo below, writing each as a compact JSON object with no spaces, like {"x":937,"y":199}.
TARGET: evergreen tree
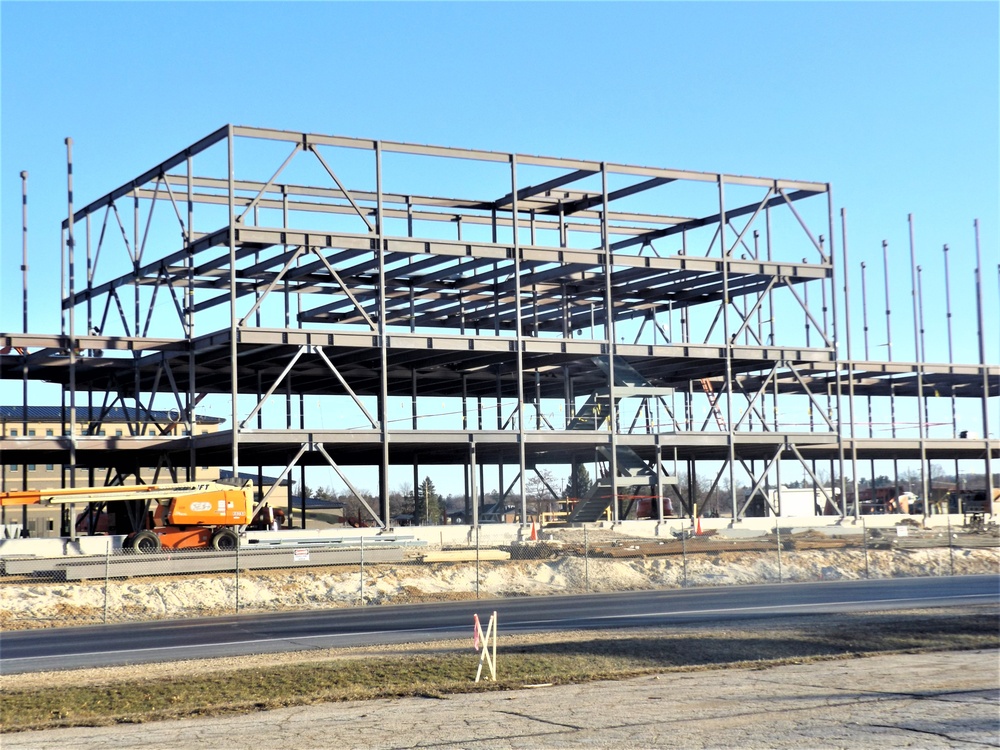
{"x":582,"y":483}
{"x":427,"y":508}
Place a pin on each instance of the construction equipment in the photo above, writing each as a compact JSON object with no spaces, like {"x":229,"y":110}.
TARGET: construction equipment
{"x":185,"y":515}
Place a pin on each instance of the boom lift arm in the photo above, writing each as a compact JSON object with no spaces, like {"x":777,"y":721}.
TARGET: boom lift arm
{"x":187,"y":514}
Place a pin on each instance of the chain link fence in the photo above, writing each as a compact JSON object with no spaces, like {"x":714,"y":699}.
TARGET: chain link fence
{"x":468,"y":563}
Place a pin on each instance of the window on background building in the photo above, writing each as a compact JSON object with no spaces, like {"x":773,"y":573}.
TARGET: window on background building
{"x":31,"y":433}
{"x":31,"y":467}
{"x":50,"y":467}
{"x":13,"y":433}
{"x":48,"y":433}
{"x":13,"y":467}
{"x":102,"y":433}
{"x":118,"y":433}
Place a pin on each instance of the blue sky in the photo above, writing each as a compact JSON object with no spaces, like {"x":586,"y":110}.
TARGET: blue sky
{"x":895,"y":104}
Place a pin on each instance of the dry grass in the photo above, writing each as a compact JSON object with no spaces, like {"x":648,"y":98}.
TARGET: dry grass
{"x":158,"y":692}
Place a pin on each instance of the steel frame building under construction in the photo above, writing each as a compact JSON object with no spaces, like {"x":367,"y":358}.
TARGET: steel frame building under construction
{"x":560,"y":316}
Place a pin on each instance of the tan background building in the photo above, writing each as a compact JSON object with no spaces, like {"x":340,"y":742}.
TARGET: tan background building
{"x":40,"y":422}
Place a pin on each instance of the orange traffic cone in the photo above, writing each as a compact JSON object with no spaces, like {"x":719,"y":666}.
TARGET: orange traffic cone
{"x":534,"y":536}
{"x":697,"y":530}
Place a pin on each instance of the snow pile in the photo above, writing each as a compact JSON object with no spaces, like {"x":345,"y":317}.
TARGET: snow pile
{"x":25,"y":605}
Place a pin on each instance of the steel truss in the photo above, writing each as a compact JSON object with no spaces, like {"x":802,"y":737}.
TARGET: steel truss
{"x":569,"y":289}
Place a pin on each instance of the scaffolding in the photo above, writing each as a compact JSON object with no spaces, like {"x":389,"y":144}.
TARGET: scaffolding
{"x":559,"y":317}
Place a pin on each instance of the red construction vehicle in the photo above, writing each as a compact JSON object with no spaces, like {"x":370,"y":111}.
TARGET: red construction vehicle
{"x":186,"y":515}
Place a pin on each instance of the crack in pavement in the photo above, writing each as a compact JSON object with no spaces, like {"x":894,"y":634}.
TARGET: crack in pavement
{"x":942,"y":735}
{"x":881,"y":694}
{"x":543,"y":721}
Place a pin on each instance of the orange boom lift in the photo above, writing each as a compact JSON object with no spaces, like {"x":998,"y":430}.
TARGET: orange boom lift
{"x":185,"y":515}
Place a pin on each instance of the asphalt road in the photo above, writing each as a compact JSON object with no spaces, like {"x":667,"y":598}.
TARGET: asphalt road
{"x":97,"y":646}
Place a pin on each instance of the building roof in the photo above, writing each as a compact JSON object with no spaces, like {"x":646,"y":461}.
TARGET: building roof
{"x":93,"y":414}
{"x":315,"y":503}
{"x":257,"y":480}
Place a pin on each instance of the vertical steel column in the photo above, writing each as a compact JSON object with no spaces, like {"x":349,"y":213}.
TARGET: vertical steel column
{"x":951,"y":352}
{"x":770,"y":340}
{"x":416,"y":489}
{"x":89,"y":277}
{"x":888,"y":334}
{"x":24,"y":265}
{"x":770,"y":292}
{"x":609,"y":332}
{"x":920,"y":312}
{"x":519,"y":339}
{"x":136,"y":298}
{"x":805,"y":300}
{"x":923,"y":343}
{"x":472,"y":475}
{"x":836,"y":353}
{"x":850,"y":365}
{"x":24,"y":356}
{"x":383,"y":335}
{"x":888,"y":307}
{"x":70,"y":247}
{"x":233,"y":332}
{"x":469,"y":482}
{"x":189,"y":417}
{"x":984,"y":369}
{"x":690,"y":508}
{"x":414,"y":413}
{"x":500,"y":424}
{"x":864,"y":316}
{"x":728,"y":343}
{"x":659,"y":477}
{"x":921,"y":356}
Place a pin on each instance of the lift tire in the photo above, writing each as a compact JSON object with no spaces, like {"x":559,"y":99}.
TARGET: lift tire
{"x":144,"y":542}
{"x":225,"y":540}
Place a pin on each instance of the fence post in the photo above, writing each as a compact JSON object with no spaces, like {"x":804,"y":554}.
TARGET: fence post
{"x":951,"y":547}
{"x":864,"y":543}
{"x":777,"y":535}
{"x":477,"y":560}
{"x":684,"y":555}
{"x":586,"y":560}
{"x":107,"y":578}
{"x":362,"y":567}
{"x":237,"y":574}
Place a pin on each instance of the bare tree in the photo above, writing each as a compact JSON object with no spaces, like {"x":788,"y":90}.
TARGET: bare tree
{"x":402,"y":499}
{"x":539,"y":495}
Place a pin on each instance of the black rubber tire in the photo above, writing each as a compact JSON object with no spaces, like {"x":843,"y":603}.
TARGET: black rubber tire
{"x":225,"y":540}
{"x":145,"y":542}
